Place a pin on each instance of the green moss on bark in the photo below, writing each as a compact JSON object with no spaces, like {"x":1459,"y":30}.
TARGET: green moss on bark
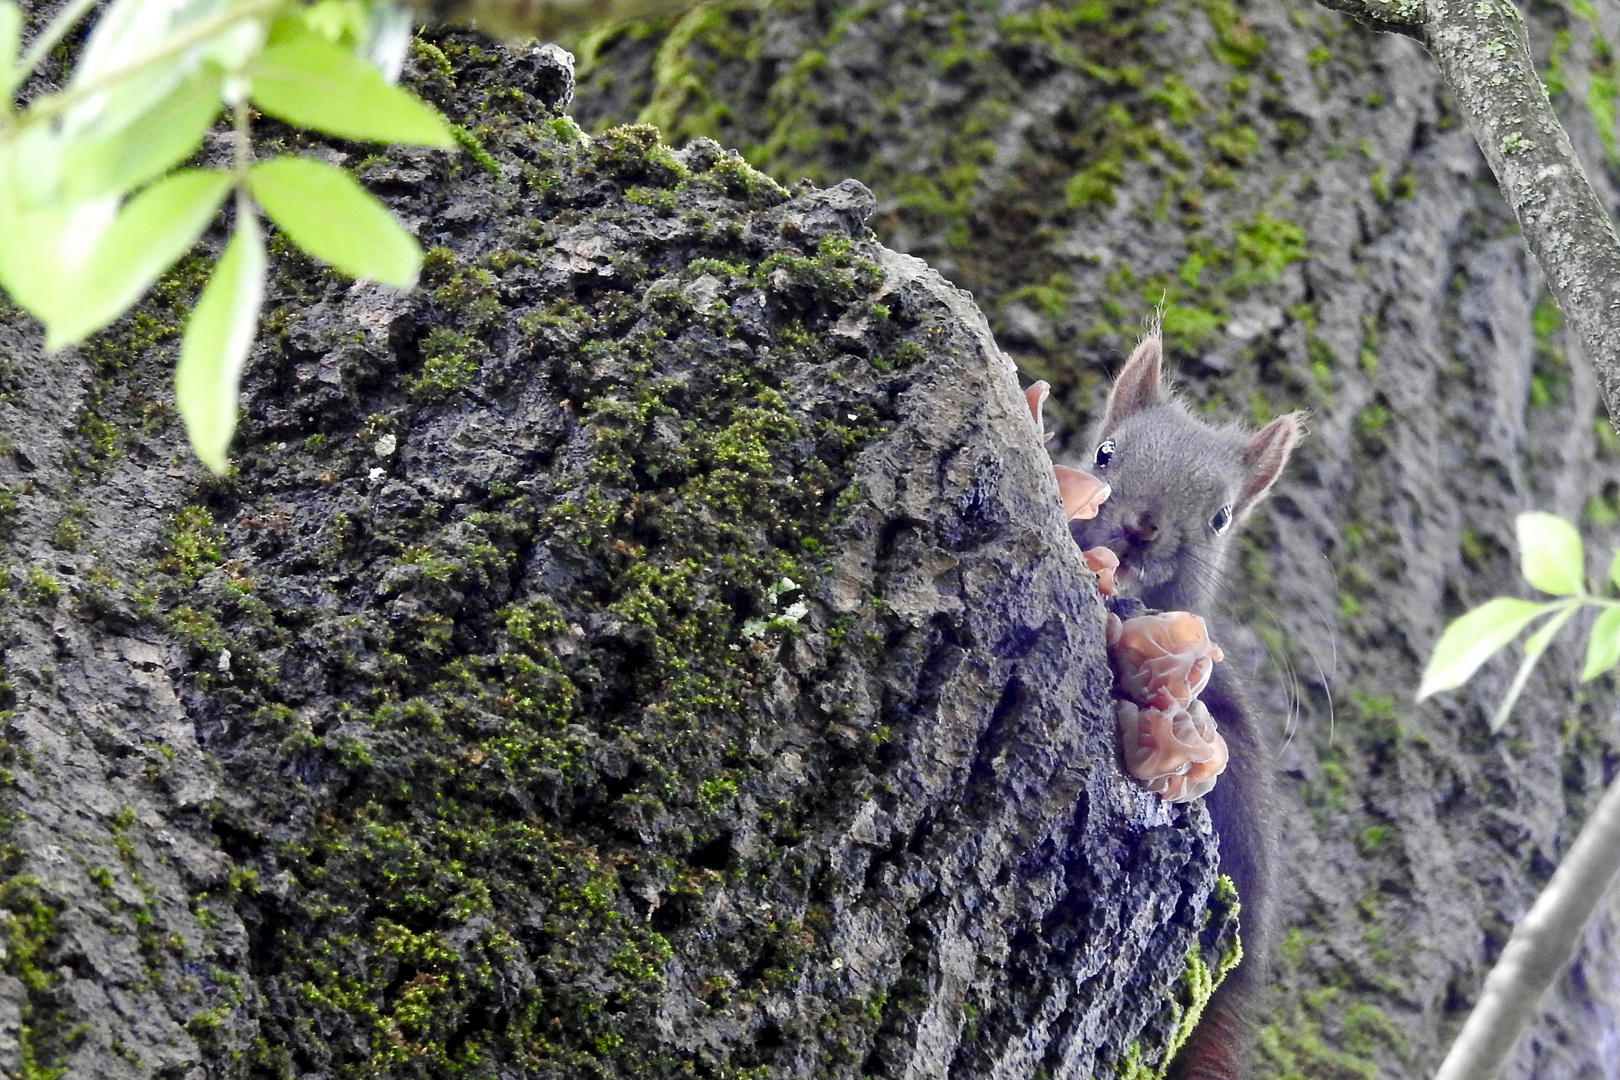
{"x":504,"y":709}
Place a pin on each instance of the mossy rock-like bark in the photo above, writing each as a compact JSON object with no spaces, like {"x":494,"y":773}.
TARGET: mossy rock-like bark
{"x":1302,"y":198}
{"x":650,"y":648}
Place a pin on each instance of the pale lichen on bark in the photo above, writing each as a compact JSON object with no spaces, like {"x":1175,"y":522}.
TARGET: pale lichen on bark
{"x":1483,"y":54}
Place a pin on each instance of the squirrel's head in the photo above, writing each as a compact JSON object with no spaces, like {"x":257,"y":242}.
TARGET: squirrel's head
{"x":1181,"y":487}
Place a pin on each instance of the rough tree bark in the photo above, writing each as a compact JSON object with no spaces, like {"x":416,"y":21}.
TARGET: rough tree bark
{"x":651,"y":648}
{"x":1325,"y":233}
{"x":1483,"y":54}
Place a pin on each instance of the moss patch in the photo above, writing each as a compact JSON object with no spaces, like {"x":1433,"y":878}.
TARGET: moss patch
{"x":508,"y":609}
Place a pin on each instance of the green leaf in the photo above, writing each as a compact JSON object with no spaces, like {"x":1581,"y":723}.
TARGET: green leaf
{"x":216,"y":345}
{"x":1534,"y":646}
{"x":1550,"y":554}
{"x":1614,"y":570}
{"x":328,"y":214}
{"x":312,"y":83}
{"x":1471,"y":640}
{"x":149,"y":146}
{"x":1603,"y":647}
{"x":42,"y":243}
{"x":153,"y":229}
{"x":342,"y":22}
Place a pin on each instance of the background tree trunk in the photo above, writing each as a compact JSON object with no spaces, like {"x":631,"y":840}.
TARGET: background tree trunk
{"x":1325,"y":235}
{"x":651,"y":648}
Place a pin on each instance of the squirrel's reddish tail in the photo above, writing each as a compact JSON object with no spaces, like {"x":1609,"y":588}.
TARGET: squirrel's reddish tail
{"x":1240,"y":807}
{"x":1219,"y":1047}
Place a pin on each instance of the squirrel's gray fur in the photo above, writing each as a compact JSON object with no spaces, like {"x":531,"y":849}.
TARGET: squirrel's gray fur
{"x":1172,"y":474}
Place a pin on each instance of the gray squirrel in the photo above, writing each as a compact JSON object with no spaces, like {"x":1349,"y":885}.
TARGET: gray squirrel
{"x":1181,"y":490}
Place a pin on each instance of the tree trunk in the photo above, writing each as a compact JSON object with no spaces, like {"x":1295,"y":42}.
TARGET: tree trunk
{"x":651,"y":648}
{"x":1302,"y":196}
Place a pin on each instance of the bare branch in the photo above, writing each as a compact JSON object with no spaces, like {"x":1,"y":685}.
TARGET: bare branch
{"x":1483,"y":54}
{"x":1541,"y":946}
{"x":1390,"y":16}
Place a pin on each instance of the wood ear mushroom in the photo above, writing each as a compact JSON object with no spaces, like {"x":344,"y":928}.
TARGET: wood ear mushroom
{"x":1169,"y":741}
{"x":1082,"y":493}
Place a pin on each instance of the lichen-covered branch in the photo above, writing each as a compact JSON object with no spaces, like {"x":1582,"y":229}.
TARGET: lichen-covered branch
{"x":1484,"y":56}
{"x":1391,"y":16}
{"x":1540,"y":947}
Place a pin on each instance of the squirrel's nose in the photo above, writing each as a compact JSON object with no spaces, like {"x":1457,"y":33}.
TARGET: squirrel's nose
{"x":1140,"y":528}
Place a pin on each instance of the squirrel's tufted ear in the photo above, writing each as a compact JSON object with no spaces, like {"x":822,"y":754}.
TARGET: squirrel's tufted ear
{"x":1139,"y":385}
{"x":1264,"y":456}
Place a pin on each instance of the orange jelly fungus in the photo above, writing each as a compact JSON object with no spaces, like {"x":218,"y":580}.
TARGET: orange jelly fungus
{"x":1170,"y":741}
{"x":1035,"y":397}
{"x":1102,"y":562}
{"x":1082,"y":493}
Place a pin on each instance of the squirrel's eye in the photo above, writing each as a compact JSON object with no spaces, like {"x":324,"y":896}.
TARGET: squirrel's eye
{"x":1105,"y":453}
{"x":1222,"y":520}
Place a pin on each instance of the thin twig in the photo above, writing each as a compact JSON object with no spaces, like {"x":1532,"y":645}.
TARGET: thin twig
{"x":1483,"y":54}
{"x":1541,"y":947}
{"x":242,"y":132}
{"x":1398,"y":17}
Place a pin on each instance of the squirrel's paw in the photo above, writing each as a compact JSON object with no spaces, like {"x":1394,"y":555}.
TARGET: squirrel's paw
{"x":1170,"y":741}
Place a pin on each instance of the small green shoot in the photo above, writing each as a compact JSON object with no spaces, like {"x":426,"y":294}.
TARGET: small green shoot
{"x":93,"y":211}
{"x":1553,"y":560}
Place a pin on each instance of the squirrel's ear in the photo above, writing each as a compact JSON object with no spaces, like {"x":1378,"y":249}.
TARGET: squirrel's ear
{"x":1139,"y":385}
{"x":1264,"y":456}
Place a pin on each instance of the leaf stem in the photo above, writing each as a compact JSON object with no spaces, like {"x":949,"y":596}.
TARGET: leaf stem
{"x":242,"y":151}
{"x":47,"y":39}
{"x":54,"y":105}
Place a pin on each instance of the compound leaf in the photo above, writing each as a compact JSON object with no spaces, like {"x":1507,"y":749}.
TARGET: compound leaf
{"x":1471,"y":640}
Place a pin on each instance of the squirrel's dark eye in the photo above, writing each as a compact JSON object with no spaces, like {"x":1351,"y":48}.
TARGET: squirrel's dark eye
{"x":1105,"y":453}
{"x":1222,"y":520}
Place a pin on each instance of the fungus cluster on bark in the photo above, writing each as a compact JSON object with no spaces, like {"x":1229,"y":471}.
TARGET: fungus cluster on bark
{"x":1161,"y":662}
